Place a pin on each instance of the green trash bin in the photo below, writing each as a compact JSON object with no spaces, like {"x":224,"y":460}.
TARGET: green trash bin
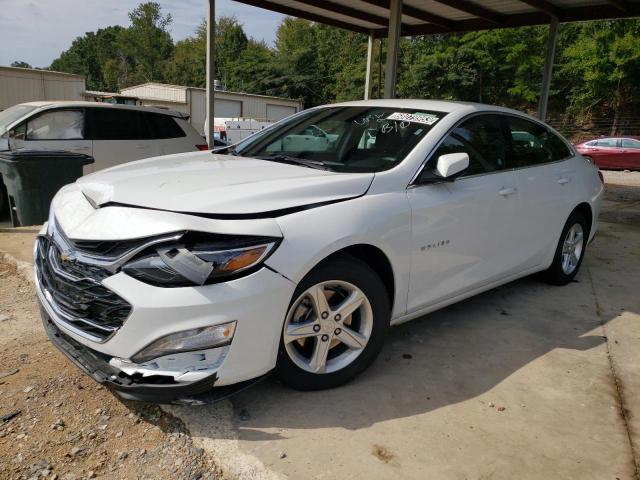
{"x":32,"y":178}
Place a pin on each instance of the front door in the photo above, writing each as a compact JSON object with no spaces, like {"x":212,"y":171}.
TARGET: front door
{"x":463,"y":231}
{"x":57,"y":129}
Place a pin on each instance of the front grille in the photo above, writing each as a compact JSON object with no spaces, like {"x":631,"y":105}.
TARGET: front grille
{"x":105,"y":248}
{"x":74,"y":291}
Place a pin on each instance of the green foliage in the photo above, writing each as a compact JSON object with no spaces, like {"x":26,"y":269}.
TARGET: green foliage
{"x":117,"y":57}
{"x":597,"y":63}
{"x":20,"y":64}
{"x":146,"y":44}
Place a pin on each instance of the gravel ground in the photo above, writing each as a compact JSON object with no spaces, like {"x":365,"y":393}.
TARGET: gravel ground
{"x":57,"y":423}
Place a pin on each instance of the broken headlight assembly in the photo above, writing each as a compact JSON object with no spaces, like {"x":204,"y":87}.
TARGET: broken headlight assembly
{"x":199,"y":259}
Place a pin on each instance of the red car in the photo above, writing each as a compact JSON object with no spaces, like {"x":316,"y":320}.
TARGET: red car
{"x":612,"y":152}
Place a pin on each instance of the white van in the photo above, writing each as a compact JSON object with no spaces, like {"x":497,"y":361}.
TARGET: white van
{"x":111,"y":134}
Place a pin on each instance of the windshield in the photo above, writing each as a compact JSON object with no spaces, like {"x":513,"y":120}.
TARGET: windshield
{"x":10,"y":115}
{"x":344,"y":139}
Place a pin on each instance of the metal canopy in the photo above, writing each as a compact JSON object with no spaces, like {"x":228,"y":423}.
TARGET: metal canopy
{"x":423,"y":17}
{"x":392,"y":19}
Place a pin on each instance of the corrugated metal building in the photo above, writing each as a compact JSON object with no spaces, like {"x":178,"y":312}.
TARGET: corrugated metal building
{"x":192,"y":100}
{"x":19,"y":85}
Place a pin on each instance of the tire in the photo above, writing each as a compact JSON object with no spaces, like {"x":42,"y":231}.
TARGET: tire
{"x":560,"y":272}
{"x":307,"y":334}
{"x":4,"y":201}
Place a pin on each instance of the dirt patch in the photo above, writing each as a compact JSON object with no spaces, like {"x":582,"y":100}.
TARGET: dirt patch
{"x":59,"y":423}
{"x":382,"y":454}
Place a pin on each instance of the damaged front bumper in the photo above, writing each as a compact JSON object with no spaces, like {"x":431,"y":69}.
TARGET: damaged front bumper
{"x":155,"y":388}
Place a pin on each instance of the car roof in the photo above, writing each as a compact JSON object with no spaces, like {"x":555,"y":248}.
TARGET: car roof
{"x":85,"y":104}
{"x":446,"y":106}
{"x":610,"y":137}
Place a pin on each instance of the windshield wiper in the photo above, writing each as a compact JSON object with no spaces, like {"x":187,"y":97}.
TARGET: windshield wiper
{"x":305,"y":162}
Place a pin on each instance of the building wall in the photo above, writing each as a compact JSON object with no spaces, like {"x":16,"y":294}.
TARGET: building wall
{"x":157,"y":91}
{"x":193,"y":101}
{"x":19,"y":85}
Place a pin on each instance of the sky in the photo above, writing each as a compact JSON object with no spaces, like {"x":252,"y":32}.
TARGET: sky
{"x":37,"y":31}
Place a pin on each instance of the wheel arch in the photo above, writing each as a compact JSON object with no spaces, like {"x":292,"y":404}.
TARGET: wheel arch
{"x":375,"y":258}
{"x":586,"y":210}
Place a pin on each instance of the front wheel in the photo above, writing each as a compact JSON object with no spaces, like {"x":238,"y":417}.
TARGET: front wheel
{"x":569,"y":252}
{"x":335,"y":326}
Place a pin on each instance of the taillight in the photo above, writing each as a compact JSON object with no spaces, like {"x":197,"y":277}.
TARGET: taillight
{"x":202,"y":147}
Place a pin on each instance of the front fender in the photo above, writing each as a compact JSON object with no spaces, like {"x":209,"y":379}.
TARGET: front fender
{"x":381,"y":220}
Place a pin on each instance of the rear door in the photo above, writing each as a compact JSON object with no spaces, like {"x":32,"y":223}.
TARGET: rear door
{"x":55,"y":129}
{"x":169,"y":136}
{"x":119,"y":136}
{"x":630,"y":153}
{"x":464,"y":232}
{"x":547,"y":184}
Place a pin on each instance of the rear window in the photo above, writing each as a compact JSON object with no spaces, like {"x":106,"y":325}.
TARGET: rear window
{"x":533,"y":144}
{"x":163,"y":126}
{"x":116,"y":124}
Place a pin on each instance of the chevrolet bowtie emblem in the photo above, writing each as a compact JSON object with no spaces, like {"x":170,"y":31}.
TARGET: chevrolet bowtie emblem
{"x":64,"y":257}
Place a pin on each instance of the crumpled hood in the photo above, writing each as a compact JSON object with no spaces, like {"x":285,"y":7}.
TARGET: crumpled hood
{"x":203,"y":182}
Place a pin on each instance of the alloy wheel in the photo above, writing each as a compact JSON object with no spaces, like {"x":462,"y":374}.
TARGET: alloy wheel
{"x":572,"y":248}
{"x":328,"y":327}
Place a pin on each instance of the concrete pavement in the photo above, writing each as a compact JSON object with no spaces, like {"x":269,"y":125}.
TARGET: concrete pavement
{"x":527,"y":381}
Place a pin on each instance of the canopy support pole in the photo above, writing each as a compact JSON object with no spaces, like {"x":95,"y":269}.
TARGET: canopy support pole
{"x":548,"y":69}
{"x":211,"y":74}
{"x":395,"y":17}
{"x":368,"y":86}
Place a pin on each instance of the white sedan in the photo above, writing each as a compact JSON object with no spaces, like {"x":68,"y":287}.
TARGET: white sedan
{"x":170,"y":276}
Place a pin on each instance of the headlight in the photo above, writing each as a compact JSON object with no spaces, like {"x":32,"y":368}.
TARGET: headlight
{"x":196,"y":260}
{"x":188,"y":341}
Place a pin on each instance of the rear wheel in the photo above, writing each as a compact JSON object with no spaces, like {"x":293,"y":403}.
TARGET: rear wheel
{"x":335,"y":326}
{"x":570,"y":251}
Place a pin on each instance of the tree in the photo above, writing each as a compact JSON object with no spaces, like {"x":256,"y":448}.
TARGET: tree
{"x":20,"y":64}
{"x":604,"y":65}
{"x":188,"y":64}
{"x":146,"y":44}
{"x":230,"y":42}
{"x":597,"y":64}
{"x":88,"y":56}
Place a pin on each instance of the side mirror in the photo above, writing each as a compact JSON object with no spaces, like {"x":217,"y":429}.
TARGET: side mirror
{"x":447,"y":169}
{"x":452,"y":164}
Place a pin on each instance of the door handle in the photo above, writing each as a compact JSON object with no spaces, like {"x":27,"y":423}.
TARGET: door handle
{"x":79,"y":148}
{"x":563,"y":180}
{"x":506,"y":191}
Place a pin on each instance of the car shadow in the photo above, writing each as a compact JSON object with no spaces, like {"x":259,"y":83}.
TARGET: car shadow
{"x":447,"y":357}
{"x":441,"y":359}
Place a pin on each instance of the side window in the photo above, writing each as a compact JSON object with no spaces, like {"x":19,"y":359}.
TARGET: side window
{"x":630,"y":143}
{"x":481,"y":137}
{"x":607,"y":142}
{"x":116,"y":124}
{"x":56,"y":125}
{"x":559,"y":149}
{"x":533,"y":144}
{"x":163,"y":126}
